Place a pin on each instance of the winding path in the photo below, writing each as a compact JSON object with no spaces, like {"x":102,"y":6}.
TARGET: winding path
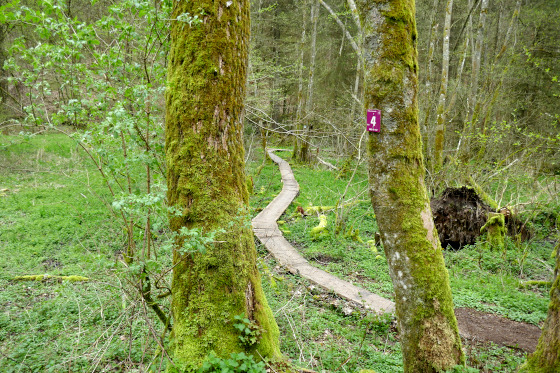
{"x":266,"y":230}
{"x":473,"y":325}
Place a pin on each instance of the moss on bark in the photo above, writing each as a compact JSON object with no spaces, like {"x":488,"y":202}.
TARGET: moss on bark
{"x":429,"y":334}
{"x":206,"y":182}
{"x":495,"y":229}
{"x":546,"y":358}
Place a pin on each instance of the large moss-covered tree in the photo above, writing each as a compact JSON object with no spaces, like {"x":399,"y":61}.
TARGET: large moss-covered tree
{"x":546,"y":358}
{"x":427,"y":324}
{"x":206,"y":184}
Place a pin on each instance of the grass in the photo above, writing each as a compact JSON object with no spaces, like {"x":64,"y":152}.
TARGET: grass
{"x":53,"y":221}
{"x":481,"y":279}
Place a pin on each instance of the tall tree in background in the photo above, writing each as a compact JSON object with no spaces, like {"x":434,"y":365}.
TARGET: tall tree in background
{"x":206,"y":183}
{"x":428,"y":328}
{"x":3,"y":81}
{"x":441,"y":108}
{"x":303,"y":149}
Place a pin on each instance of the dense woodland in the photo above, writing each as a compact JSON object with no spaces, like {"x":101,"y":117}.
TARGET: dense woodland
{"x":98,"y":201}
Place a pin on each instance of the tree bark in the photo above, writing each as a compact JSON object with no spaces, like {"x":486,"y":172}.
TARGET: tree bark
{"x":303,"y":155}
{"x":546,"y":358}
{"x":476,"y":61}
{"x":440,"y":126}
{"x":3,"y":55}
{"x":206,"y":185}
{"x":299,"y":112}
{"x":427,"y":325}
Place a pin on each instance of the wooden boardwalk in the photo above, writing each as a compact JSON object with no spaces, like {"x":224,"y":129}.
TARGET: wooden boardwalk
{"x":473,"y":325}
{"x":266,"y":230}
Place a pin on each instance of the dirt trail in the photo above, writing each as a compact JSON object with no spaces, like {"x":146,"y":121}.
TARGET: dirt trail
{"x":473,"y":325}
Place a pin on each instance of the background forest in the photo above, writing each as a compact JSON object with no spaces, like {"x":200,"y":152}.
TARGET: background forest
{"x":82,"y":188}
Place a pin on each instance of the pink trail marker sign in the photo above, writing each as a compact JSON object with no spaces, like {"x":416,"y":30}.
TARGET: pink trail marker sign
{"x":374,"y":120}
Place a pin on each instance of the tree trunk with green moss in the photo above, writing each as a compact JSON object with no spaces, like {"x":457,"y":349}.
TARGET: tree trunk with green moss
{"x":427,"y":324}
{"x":206,"y":184}
{"x":546,"y":359}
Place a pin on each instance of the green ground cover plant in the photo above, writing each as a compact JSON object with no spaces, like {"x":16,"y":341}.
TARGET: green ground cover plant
{"x":53,"y":221}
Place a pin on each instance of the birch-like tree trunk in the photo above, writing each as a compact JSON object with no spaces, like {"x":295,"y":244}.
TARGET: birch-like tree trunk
{"x":441,"y":109}
{"x":358,"y":51}
{"x":477,"y":57}
{"x":303,"y":155}
{"x":207,"y":186}
{"x":300,"y":102}
{"x":426,"y":128}
{"x":428,"y":328}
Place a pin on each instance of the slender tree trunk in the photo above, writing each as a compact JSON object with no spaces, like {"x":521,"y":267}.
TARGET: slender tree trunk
{"x":477,"y":57}
{"x":440,"y":127}
{"x":342,"y":26}
{"x":429,"y":335}
{"x":469,"y":125}
{"x":459,"y":76}
{"x":426,"y":128}
{"x":206,"y":184}
{"x":299,"y":112}
{"x":3,"y":79}
{"x":355,"y":14}
{"x":546,"y":358}
{"x":358,"y":51}
{"x":511,"y":27}
{"x":304,"y":155}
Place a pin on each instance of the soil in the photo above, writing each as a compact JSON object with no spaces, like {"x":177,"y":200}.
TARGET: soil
{"x":476,"y":326}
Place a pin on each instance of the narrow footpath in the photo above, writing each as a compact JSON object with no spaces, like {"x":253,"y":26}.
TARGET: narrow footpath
{"x":473,"y":325}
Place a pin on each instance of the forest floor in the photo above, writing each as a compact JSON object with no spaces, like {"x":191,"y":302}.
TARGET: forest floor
{"x":474,"y":326}
{"x":52,"y":221}
{"x":487,"y":285}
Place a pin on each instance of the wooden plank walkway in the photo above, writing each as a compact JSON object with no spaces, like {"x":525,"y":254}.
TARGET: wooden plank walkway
{"x":474,"y":325}
{"x":266,"y":230}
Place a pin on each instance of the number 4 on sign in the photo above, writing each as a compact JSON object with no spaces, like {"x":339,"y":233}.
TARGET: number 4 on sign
{"x":374,"y":120}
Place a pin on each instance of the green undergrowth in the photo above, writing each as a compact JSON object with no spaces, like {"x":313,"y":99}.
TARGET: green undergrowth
{"x":53,"y":221}
{"x":490,"y":281}
{"x":322,"y":333}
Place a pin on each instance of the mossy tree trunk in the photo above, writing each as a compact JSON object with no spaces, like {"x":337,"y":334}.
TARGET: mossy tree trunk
{"x":546,"y":359}
{"x":427,"y":324}
{"x":206,"y":183}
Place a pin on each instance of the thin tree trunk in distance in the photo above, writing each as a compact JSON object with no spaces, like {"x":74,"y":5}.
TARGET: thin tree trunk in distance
{"x":299,"y":111}
{"x":440,"y":127}
{"x":429,"y":335}
{"x":207,"y":186}
{"x":477,"y":57}
{"x":426,"y":128}
{"x":303,"y":155}
{"x":3,"y":55}
{"x":358,"y":51}
{"x":355,"y":14}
